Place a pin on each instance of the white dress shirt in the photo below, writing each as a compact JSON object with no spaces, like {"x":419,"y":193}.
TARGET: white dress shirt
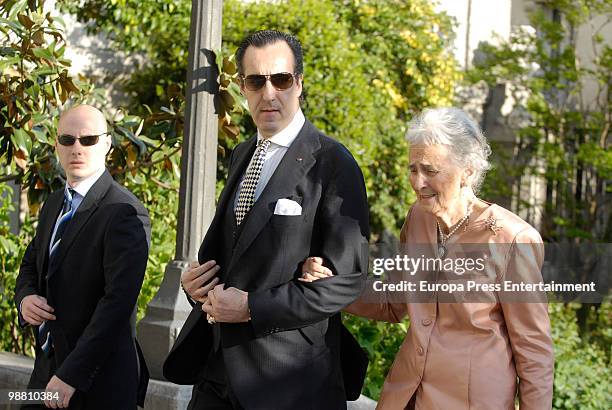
{"x":79,"y":194}
{"x":279,"y":144}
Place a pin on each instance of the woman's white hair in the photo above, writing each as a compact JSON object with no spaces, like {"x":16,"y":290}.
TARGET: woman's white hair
{"x":456,"y":129}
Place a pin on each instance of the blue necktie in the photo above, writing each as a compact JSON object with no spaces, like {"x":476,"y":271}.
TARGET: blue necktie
{"x":44,"y":336}
{"x":67,"y":213}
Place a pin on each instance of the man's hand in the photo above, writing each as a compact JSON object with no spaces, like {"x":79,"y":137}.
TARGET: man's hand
{"x":35,"y":310}
{"x":65,"y":393}
{"x":229,"y":305}
{"x":193,"y":279}
{"x":313,"y":270}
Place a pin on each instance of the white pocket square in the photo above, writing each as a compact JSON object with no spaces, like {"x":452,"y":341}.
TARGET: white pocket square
{"x":286,"y":206}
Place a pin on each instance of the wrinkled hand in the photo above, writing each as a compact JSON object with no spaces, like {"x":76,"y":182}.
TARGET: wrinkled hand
{"x":196,"y":276}
{"x":35,"y":310}
{"x":313,"y":269}
{"x":229,"y":305}
{"x":65,"y":393}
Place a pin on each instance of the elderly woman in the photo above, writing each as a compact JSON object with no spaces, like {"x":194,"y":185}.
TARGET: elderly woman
{"x":473,"y":355}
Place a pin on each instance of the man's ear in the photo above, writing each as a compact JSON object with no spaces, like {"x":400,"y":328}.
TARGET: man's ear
{"x":109,"y":142}
{"x":300,"y":80}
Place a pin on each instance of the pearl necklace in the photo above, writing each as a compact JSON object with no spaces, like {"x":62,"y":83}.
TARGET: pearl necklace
{"x":444,"y":238}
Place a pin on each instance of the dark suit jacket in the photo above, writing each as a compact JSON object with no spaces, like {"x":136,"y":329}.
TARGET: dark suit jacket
{"x":93,"y":284}
{"x":288,"y":355}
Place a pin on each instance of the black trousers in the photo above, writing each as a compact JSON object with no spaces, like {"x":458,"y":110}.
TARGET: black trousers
{"x":214,"y":391}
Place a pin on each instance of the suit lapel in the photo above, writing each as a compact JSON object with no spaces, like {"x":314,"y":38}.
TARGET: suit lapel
{"x":297,"y":161}
{"x":243,"y":156}
{"x":241,"y":162}
{"x":86,"y":209}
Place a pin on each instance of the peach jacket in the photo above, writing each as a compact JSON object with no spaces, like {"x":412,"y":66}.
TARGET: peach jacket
{"x":469,"y":355}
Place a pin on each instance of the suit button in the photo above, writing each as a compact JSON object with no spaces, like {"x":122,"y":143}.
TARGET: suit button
{"x":426,"y":322}
{"x":420,"y":351}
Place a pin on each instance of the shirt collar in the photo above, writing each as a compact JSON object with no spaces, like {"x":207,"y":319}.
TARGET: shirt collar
{"x":86,"y":184}
{"x":285,"y":137}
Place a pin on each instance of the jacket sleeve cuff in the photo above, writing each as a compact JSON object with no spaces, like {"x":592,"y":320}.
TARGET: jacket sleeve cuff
{"x":259,"y":312}
{"x":80,"y":383}
{"x":22,"y":322}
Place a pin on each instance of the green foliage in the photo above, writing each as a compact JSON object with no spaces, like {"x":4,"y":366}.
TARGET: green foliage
{"x":158,"y":191}
{"x":381,"y":341}
{"x":156,"y":29}
{"x":563,"y":138}
{"x":599,"y":326}
{"x":12,"y":248}
{"x":582,"y":369}
{"x":406,"y":48}
{"x":34,"y":85}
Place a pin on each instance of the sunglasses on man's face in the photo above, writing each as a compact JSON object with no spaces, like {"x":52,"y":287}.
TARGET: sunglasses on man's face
{"x":85,"y":140}
{"x":280,"y":81}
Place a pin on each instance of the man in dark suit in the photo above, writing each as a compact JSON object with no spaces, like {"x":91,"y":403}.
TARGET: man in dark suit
{"x":258,"y":338}
{"x":81,"y":275}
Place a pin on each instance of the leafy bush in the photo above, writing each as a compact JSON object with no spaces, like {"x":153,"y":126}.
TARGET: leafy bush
{"x":12,"y":248}
{"x":161,"y":200}
{"x":381,"y":340}
{"x":35,"y":86}
{"x":582,"y":369}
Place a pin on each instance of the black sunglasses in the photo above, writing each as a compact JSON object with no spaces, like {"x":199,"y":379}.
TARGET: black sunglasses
{"x":85,"y":140}
{"x":280,"y":81}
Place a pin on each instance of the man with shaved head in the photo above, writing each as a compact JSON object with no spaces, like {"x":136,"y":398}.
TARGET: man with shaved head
{"x":81,"y":275}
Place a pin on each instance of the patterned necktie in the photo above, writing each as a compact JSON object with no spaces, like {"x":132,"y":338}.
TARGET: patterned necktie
{"x":67,"y":213}
{"x":44,"y":336}
{"x":246,"y":196}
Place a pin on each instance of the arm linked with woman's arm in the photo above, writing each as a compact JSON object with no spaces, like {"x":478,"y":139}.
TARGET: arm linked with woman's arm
{"x":373,"y":304}
{"x":528,"y":324}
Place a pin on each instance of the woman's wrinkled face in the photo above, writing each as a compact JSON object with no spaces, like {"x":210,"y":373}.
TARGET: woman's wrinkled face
{"x":435,"y":179}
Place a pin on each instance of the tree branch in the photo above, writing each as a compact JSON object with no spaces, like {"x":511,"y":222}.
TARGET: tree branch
{"x":164,"y":185}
